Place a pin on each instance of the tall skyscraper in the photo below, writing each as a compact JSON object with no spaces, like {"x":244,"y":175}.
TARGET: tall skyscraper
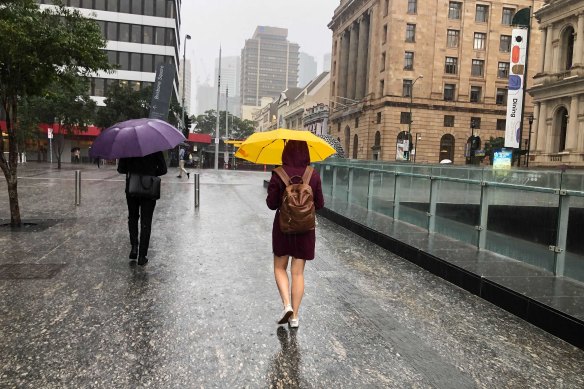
{"x":326,"y":62}
{"x":140,"y":36}
{"x":269,"y":65}
{"x":187,"y":86}
{"x":230,"y":74}
{"x":307,"y":69}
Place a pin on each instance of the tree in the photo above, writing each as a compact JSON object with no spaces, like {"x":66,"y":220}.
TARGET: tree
{"x":124,"y":103}
{"x":238,"y":128}
{"x":493,"y":144}
{"x":38,"y":49}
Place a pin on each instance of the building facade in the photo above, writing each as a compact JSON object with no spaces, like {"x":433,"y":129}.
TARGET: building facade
{"x":140,"y":35}
{"x":307,"y":69}
{"x":230,"y":74}
{"x":412,"y":82}
{"x":558,"y":128}
{"x":293,"y":112}
{"x":269,"y":65}
{"x":187,"y":82}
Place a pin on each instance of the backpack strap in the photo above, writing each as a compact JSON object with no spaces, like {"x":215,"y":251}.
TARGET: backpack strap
{"x":283,"y":175}
{"x":307,"y":175}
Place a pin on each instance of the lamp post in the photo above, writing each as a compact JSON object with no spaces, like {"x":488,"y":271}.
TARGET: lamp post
{"x":530,"y":119}
{"x":418,"y":138}
{"x":187,"y":37}
{"x":410,"y":121}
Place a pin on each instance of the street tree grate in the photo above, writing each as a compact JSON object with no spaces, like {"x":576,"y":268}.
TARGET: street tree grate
{"x":30,"y":271}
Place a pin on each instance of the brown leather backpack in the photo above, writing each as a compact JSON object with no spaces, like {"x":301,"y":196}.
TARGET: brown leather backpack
{"x":297,"y":212}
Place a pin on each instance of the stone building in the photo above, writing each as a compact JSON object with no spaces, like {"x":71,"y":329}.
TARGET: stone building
{"x":558,"y":128}
{"x":404,"y":72}
{"x":314,"y":93}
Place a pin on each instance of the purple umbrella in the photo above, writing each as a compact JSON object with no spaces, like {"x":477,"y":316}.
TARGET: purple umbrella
{"x":135,"y":138}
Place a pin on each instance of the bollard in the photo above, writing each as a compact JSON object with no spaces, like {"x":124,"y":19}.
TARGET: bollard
{"x":77,"y":187}
{"x":197,"y":190}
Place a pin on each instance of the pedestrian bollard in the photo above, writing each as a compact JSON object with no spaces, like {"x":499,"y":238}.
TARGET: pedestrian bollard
{"x":77,"y":187}
{"x":197,"y":190}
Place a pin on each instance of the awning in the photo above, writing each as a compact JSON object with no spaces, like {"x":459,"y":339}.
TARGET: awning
{"x":199,"y":138}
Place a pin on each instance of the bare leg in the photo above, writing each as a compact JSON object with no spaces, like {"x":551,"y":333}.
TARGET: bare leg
{"x":281,"y":276}
{"x":297,"y":271}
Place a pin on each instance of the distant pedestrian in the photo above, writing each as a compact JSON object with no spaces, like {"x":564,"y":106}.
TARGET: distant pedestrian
{"x":140,"y":208}
{"x":298,"y":246}
{"x":183,"y":156}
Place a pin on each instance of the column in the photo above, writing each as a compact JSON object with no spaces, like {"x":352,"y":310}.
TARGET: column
{"x":541,"y":128}
{"x":548,"y":49}
{"x":572,"y":134}
{"x":352,"y":72}
{"x":579,"y":54}
{"x":533,"y":140}
{"x":343,"y":66}
{"x":540,"y":65}
{"x":362,"y":54}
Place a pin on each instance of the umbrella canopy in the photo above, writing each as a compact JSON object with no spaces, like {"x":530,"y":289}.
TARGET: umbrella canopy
{"x":266,"y":147}
{"x":135,"y":138}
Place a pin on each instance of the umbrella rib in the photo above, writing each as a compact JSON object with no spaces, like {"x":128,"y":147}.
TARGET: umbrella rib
{"x":262,"y":150}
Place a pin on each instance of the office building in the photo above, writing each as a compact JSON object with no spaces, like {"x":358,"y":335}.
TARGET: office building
{"x":306,"y":70}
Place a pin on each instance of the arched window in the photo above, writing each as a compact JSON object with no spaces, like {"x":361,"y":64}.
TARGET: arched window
{"x":347,"y":140}
{"x":378,"y":139}
{"x":355,"y":146}
{"x":560,"y":129}
{"x":567,"y":42}
{"x":446,"y":148}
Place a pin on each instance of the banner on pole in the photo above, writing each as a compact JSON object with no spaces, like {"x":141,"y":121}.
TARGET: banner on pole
{"x":515,"y":89}
{"x":162,"y":91}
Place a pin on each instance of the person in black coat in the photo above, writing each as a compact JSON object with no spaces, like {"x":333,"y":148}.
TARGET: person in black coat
{"x":141,"y":208}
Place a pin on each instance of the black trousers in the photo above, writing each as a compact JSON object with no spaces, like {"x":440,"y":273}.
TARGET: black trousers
{"x":142,"y":209}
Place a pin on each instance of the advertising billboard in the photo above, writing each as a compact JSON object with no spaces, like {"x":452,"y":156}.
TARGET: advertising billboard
{"x":515,"y":89}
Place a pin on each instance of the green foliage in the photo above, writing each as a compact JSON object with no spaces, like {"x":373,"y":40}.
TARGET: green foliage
{"x":493,"y":144}
{"x":238,"y":129}
{"x":124,"y":103}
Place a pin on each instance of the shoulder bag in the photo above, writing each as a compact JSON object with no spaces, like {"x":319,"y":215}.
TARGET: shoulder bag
{"x":144,"y":186}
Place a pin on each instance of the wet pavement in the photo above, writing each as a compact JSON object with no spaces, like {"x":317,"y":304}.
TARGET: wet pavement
{"x":202,"y":312}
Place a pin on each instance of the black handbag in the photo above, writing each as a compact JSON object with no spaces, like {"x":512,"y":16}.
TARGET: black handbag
{"x":147,"y":187}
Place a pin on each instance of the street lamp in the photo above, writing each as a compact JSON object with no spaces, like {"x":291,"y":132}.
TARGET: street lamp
{"x":530,"y":118}
{"x":410,"y":121}
{"x":187,"y":37}
{"x":418,"y":138}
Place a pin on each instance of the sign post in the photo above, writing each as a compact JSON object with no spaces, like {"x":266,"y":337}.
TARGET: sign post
{"x":50,"y":136}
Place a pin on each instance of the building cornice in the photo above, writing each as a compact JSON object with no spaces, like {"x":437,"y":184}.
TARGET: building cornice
{"x":551,"y":8}
{"x":346,"y":12}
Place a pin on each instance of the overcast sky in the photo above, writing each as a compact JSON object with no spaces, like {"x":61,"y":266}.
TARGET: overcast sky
{"x":231,"y":22}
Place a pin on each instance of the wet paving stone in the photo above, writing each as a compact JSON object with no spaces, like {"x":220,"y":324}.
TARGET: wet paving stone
{"x":202,"y":313}
{"x":29,"y":271}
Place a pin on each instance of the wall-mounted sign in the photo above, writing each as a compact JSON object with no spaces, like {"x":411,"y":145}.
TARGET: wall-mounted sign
{"x":515,"y":89}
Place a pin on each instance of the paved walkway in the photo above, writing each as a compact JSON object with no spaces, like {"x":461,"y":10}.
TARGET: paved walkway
{"x":201,"y":314}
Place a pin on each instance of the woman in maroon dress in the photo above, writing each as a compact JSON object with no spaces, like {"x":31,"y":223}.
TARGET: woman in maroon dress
{"x":295,"y":159}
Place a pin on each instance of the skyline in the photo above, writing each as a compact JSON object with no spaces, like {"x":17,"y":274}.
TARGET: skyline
{"x":308,"y":29}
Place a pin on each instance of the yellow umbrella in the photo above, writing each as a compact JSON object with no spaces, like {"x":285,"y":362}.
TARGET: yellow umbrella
{"x":266,"y":147}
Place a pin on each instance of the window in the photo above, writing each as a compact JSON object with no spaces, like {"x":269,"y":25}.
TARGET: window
{"x":102,"y":27}
{"x":475,"y":94}
{"x":454,"y":10}
{"x":453,"y":38}
{"x":112,"y":31}
{"x":475,"y":122}
{"x":412,"y":6}
{"x":381,"y":88}
{"x":386,"y":8}
{"x":339,"y":127}
{"x":451,"y":66}
{"x":505,"y":43}
{"x":170,"y":37}
{"x":159,"y":37}
{"x":124,"y":60}
{"x":482,"y":15}
{"x":112,"y":5}
{"x":170,"y":11}
{"x":136,"y":7}
{"x":125,"y":6}
{"x":503,"y":70}
{"x":508,"y":14}
{"x":501,"y":124}
{"x":99,"y":87}
{"x":124,"y":32}
{"x":449,"y":90}
{"x":383,"y":61}
{"x":501,"y":97}
{"x":448,"y":120}
{"x":378,"y":117}
{"x":407,"y":88}
{"x":384,"y":37}
{"x":478,"y":68}
{"x":356,"y":122}
{"x":112,"y":57}
{"x":136,"y":33}
{"x":148,"y":63}
{"x":161,"y":8}
{"x":99,"y":5}
{"x":149,"y":8}
{"x":148,"y":35}
{"x":404,"y":118}
{"x":409,"y":60}
{"x":480,"y":39}
{"x":136,"y":64}
{"x":410,"y":32}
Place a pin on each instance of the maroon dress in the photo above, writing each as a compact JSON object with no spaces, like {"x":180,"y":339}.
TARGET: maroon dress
{"x":295,"y":159}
